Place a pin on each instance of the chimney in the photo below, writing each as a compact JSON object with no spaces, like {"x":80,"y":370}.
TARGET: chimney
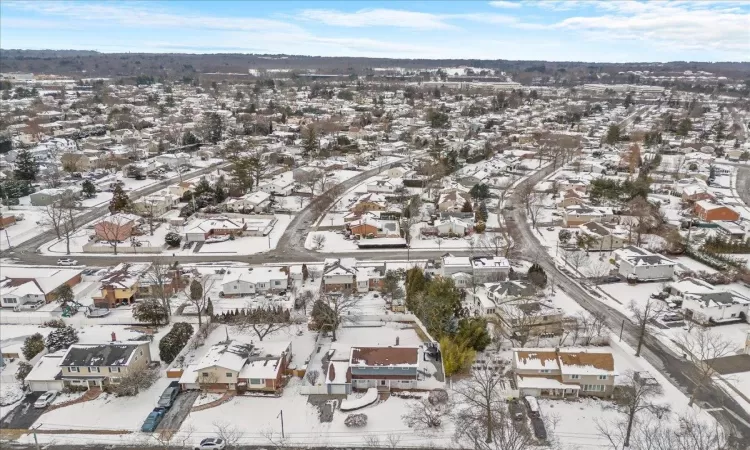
{"x":114,"y":337}
{"x":398,"y":340}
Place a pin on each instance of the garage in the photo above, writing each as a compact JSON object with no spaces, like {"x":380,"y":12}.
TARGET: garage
{"x":46,"y":374}
{"x":44,"y":386}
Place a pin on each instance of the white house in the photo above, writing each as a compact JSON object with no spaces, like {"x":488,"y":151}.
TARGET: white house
{"x":282,"y":184}
{"x":173,"y":160}
{"x":452,"y":225}
{"x":240,"y":282}
{"x":706,"y":303}
{"x":254,"y":201}
{"x":642,"y":265}
{"x":384,"y":186}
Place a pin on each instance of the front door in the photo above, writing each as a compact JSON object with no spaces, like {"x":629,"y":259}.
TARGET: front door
{"x":382,"y":382}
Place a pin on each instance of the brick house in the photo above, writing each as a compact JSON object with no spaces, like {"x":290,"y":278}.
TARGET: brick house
{"x":6,"y":221}
{"x":385,"y":367}
{"x":117,"y":227}
{"x":711,"y":211}
{"x":22,"y":285}
{"x":120,"y":286}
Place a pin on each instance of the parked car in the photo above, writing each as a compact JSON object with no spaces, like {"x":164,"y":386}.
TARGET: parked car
{"x":168,"y":397}
{"x":211,"y":444}
{"x":153,"y":419}
{"x":45,"y":399}
{"x":67,"y":262}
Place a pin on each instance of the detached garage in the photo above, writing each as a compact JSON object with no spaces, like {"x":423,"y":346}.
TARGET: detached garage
{"x":336,"y":378}
{"x":46,"y":374}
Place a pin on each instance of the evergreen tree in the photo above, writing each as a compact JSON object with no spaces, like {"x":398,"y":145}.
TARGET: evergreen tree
{"x":88,"y":189}
{"x":467,"y":207}
{"x":537,"y":275}
{"x":32,"y":345}
{"x":120,"y":201}
{"x":61,"y":338}
{"x":64,"y":294}
{"x":26,"y":167}
{"x":150,"y":311}
{"x":210,"y":309}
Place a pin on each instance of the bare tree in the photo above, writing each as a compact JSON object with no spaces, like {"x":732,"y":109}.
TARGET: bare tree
{"x":114,"y":229}
{"x":517,"y":317}
{"x":311,"y":178}
{"x":319,"y":239}
{"x":312,"y":376}
{"x":704,"y":347}
{"x":642,"y":315}
{"x":265,"y":320}
{"x":575,"y":258}
{"x":634,"y":396}
{"x":328,"y":313}
{"x":597,"y":270}
{"x":483,"y":397}
{"x":231,"y":434}
{"x":424,"y":415}
{"x":161,"y":276}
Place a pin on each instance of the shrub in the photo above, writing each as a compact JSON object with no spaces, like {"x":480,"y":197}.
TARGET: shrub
{"x":438,"y":396}
{"x":54,"y":323}
{"x":172,"y":239}
{"x":134,"y":382}
{"x":32,"y":346}
{"x":356,"y":420}
{"x":174,"y":341}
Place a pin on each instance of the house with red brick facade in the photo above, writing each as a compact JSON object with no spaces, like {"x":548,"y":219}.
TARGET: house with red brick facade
{"x":709,"y":212}
{"x":33,"y":285}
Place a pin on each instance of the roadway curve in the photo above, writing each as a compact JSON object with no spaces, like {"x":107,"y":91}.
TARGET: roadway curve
{"x":680,"y":371}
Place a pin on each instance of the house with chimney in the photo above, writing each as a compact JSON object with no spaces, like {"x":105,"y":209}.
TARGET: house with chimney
{"x":120,"y":285}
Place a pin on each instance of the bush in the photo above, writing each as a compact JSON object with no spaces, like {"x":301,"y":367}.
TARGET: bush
{"x":356,"y":420}
{"x":172,"y":239}
{"x":438,"y":396}
{"x":174,"y":341}
{"x":457,"y":357}
{"x":32,"y":346}
{"x":54,"y":323}
{"x":480,"y":227}
{"x":134,"y":382}
{"x":61,"y":338}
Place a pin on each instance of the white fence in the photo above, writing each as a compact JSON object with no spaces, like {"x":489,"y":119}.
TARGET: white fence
{"x":313,"y":390}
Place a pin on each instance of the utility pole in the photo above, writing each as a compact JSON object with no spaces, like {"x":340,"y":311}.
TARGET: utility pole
{"x":622,"y":327}
{"x":36,"y":442}
{"x":281,"y":415}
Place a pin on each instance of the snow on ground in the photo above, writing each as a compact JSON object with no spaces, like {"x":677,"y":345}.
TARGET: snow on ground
{"x":32,"y":224}
{"x":292,"y":202}
{"x":249,"y":245}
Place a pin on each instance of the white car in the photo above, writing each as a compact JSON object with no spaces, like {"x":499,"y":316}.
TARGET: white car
{"x":45,"y":399}
{"x":67,"y":262}
{"x":211,"y":444}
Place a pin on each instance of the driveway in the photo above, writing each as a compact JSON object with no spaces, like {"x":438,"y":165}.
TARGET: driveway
{"x":173,"y":419}
{"x":24,"y":415}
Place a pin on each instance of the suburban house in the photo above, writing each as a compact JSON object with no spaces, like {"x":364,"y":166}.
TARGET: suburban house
{"x":49,"y":196}
{"x":255,"y":201}
{"x":570,"y":197}
{"x":282,"y":184}
{"x":452,"y":200}
{"x":709,"y":212}
{"x":577,"y":215}
{"x":76,"y":162}
{"x":452,"y":226}
{"x":707,"y":304}
{"x":605,"y":237}
{"x":371,"y":227}
{"x":116,"y":227}
{"x":732,"y":230}
{"x":155,"y":205}
{"x":481,"y":267}
{"x":639,"y":264}
{"x":237,"y":282}
{"x":369,"y":202}
{"x":552,"y":372}
{"x":180,"y":188}
{"x":33,"y":285}
{"x":487,"y":298}
{"x":6,"y":221}
{"x":384,"y":186}
{"x":345,"y":275}
{"x":240,"y":366}
{"x":215,"y":226}
{"x":102,"y":364}
{"x":120,"y":285}
{"x":173,"y":160}
{"x":695,"y":193}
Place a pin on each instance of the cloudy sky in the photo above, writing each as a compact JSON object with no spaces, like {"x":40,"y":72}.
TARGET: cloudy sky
{"x":602,"y":31}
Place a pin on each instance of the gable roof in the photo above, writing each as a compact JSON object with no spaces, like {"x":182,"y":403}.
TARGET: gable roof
{"x":384,"y":356}
{"x":109,"y":354}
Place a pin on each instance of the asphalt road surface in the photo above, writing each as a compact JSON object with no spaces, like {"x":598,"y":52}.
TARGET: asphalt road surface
{"x":681,"y":372}
{"x":24,"y":415}
{"x":180,"y":409}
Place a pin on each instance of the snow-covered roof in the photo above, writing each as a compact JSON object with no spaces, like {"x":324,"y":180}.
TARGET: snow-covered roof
{"x":230,"y":355}
{"x":47,"y":368}
{"x":42,"y":278}
{"x":262,"y":368}
{"x":572,"y":361}
{"x":254,"y":276}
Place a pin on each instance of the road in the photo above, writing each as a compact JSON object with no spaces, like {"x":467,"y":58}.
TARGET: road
{"x":680,"y":372}
{"x":23,"y":415}
{"x":30,"y":245}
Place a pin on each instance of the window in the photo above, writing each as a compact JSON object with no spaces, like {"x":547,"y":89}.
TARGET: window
{"x":575,"y":377}
{"x":205,"y":374}
{"x":93,"y":369}
{"x":10,"y":300}
{"x":602,"y":377}
{"x":256,"y":381}
{"x":114,"y":369}
{"x":277,"y":283}
{"x":545,"y":371}
{"x":593,"y":387}
{"x":73,"y":369}
{"x":229,"y":374}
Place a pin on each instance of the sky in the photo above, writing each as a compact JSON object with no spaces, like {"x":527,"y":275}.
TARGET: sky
{"x":597,"y":31}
